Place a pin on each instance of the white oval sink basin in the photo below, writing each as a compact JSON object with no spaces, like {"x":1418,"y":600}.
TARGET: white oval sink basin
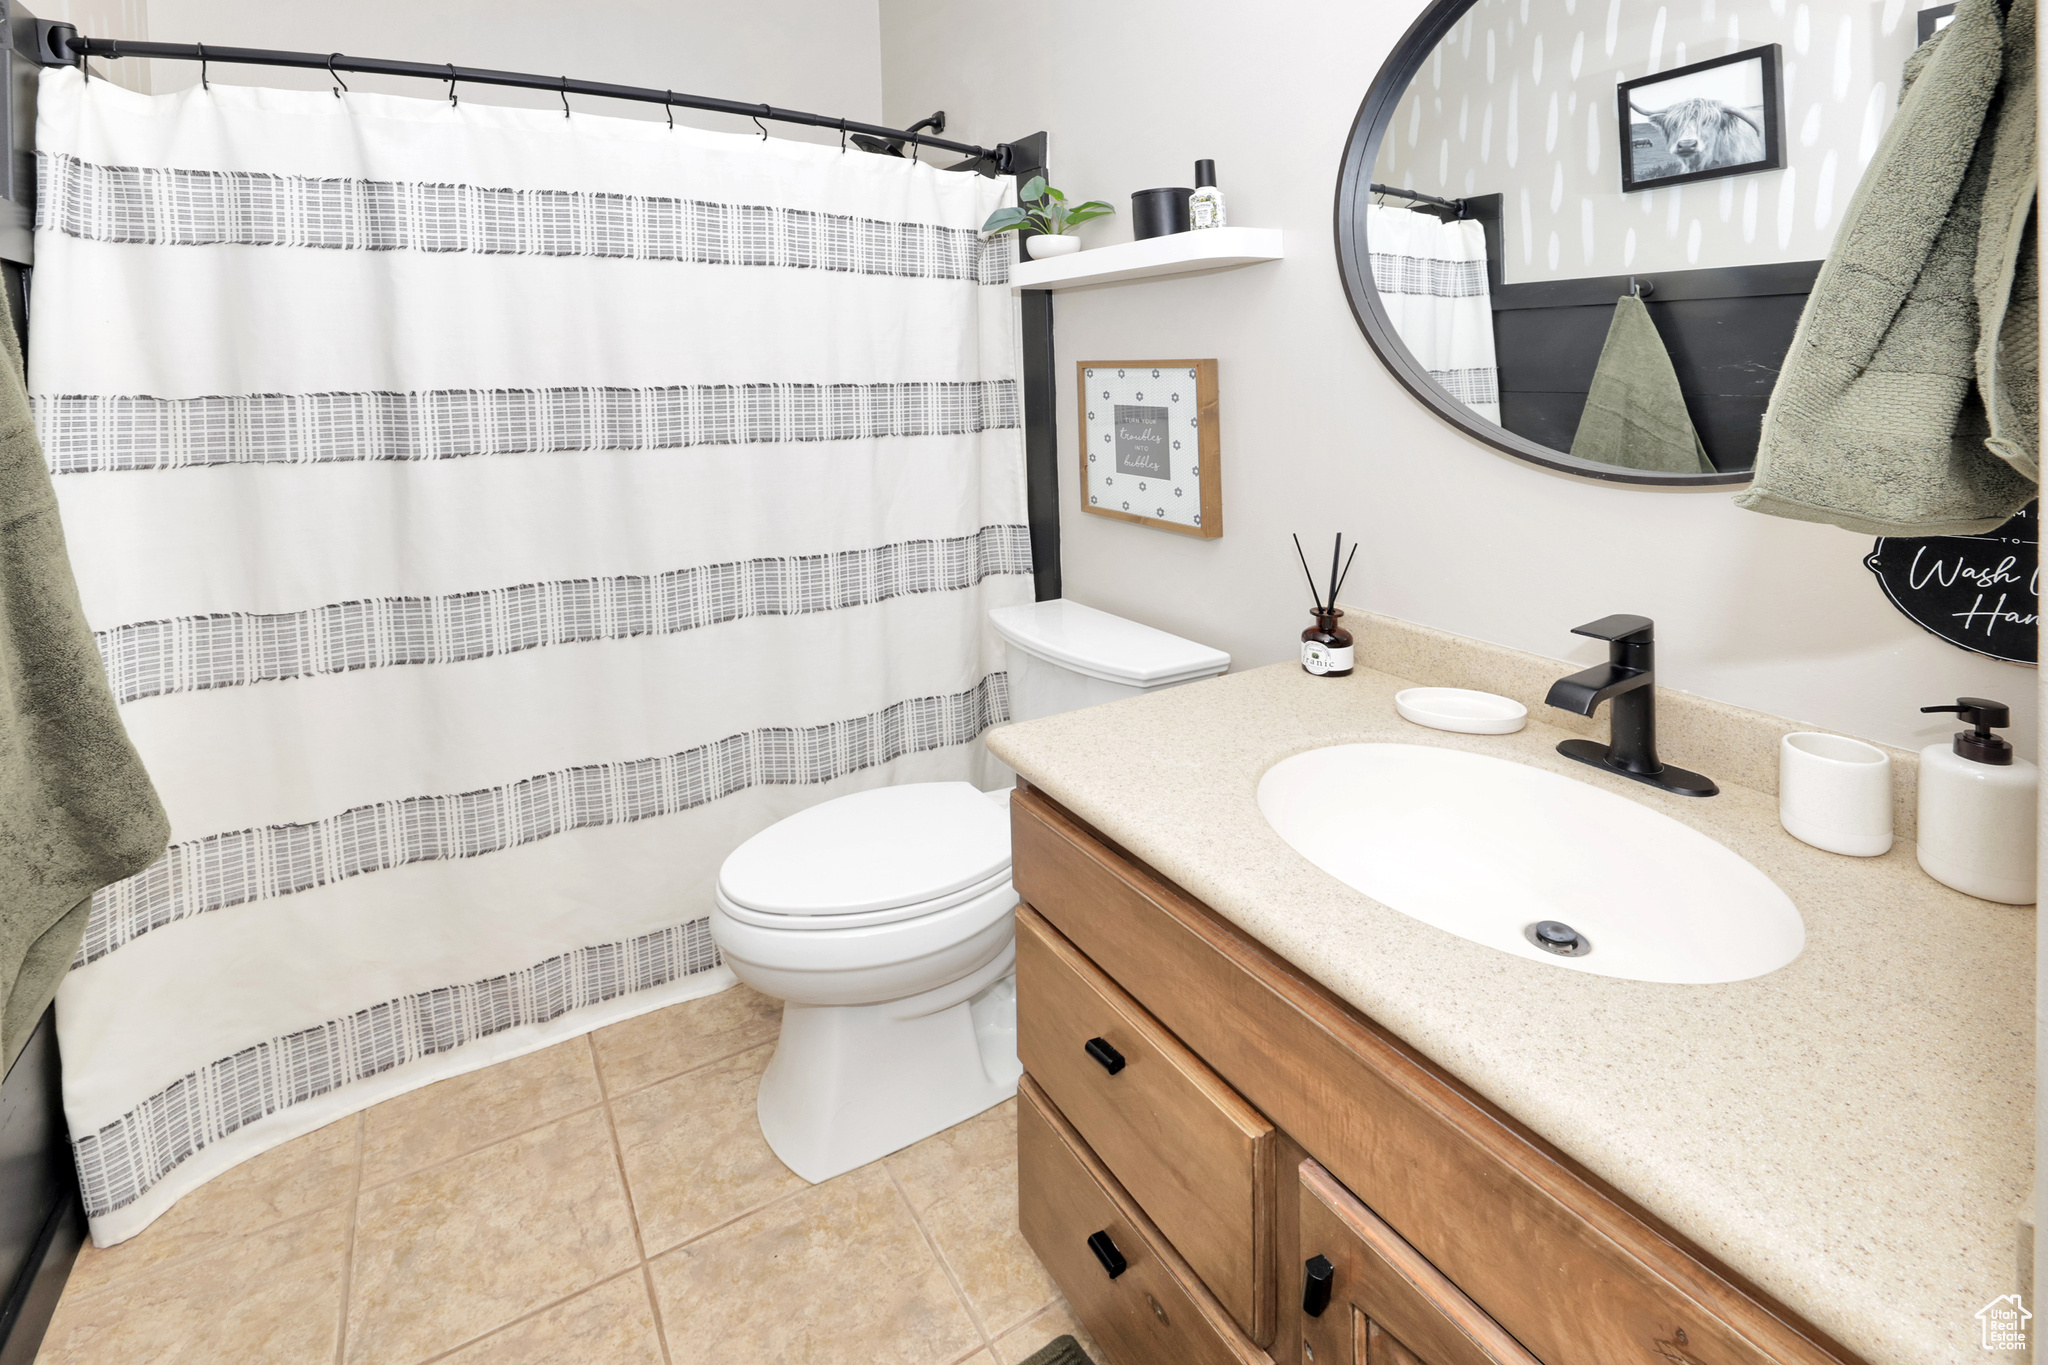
{"x":1486,"y":849}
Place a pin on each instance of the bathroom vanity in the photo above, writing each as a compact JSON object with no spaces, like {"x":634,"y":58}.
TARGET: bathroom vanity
{"x":1265,"y":1117}
{"x":1177,"y":1073}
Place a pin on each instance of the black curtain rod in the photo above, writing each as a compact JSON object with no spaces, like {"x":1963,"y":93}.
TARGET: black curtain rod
{"x":1457,"y":204}
{"x":63,"y":45}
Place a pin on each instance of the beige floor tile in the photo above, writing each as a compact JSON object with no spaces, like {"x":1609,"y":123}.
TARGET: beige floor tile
{"x":694,"y":1153}
{"x":638,"y":1052}
{"x":1055,"y":1321}
{"x":456,"y":1250}
{"x":962,"y":1183}
{"x":273,"y":1296}
{"x":315,"y":1171}
{"x":463,"y":1113}
{"x":835,"y":1275}
{"x":612,"y":1324}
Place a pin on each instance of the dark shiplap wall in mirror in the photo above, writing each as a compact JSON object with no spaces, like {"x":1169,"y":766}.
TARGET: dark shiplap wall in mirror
{"x":1727,"y":329}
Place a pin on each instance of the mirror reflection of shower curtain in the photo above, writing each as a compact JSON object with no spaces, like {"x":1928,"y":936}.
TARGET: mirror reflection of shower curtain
{"x":489,"y":519}
{"x":1431,"y":278}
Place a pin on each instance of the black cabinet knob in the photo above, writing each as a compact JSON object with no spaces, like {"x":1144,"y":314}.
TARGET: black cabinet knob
{"x":1099,"y":1048}
{"x":1315,"y":1290}
{"x":1105,"y":1251}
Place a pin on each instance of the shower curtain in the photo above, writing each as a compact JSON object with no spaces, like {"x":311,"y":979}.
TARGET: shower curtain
{"x":1431,"y":278}
{"x":488,"y":520}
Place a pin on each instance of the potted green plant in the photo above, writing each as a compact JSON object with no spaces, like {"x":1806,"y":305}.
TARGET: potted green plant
{"x":1046,"y":209}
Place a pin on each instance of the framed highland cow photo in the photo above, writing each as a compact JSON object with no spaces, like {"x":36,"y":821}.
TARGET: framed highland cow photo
{"x":1701,"y":122}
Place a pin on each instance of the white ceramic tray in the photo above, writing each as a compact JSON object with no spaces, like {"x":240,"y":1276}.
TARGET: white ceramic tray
{"x":1455,"y":708}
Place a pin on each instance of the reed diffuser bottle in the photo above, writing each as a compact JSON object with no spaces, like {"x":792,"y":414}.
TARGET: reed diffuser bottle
{"x":1326,"y":646}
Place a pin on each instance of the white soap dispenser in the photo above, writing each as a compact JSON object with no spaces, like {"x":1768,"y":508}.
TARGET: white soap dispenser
{"x":1977,"y":808}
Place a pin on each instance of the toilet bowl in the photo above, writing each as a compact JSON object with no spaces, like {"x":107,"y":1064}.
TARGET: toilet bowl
{"x":883,"y":920}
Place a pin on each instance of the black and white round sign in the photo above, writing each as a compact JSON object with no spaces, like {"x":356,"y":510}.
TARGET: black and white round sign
{"x":1977,"y":592}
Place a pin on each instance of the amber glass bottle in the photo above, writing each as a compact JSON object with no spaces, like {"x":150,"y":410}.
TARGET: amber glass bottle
{"x":1326,"y":646}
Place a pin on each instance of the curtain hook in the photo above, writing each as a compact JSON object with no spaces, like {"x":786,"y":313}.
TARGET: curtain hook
{"x":565,"y":97}
{"x":452,"y":101}
{"x":757,"y":120}
{"x":842,"y":135}
{"x":204,"y":84}
{"x":669,"y":105}
{"x":340,"y":84}
{"x":914,"y":148}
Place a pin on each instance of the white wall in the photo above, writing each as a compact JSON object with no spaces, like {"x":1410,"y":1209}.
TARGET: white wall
{"x":1771,"y":614}
{"x":820,"y":56}
{"x":1519,"y":100}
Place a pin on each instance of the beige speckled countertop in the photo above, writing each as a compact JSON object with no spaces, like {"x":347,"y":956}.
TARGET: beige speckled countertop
{"x":1852,"y":1132}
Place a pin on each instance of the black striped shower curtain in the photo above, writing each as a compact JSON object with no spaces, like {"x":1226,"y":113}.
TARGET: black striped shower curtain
{"x":488,"y":519}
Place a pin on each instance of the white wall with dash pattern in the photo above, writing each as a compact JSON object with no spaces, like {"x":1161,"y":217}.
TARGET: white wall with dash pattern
{"x":1519,"y":100}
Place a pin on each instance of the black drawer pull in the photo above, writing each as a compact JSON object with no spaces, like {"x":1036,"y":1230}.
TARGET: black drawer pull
{"x":1315,"y":1292}
{"x":1105,"y":1251}
{"x":1099,"y":1048}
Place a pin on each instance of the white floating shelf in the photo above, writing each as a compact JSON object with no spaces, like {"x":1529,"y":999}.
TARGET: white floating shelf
{"x":1178,"y":253}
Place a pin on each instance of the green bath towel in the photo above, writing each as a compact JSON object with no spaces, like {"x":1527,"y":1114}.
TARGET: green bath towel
{"x":1908,"y":402}
{"x":1635,"y":416}
{"x":76,"y":809}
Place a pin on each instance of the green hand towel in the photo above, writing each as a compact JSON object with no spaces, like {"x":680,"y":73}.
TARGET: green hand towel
{"x":1906,"y":406}
{"x":1635,"y":416}
{"x":76,"y":809}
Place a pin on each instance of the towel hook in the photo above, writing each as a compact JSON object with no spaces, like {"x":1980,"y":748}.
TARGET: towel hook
{"x":565,"y":97}
{"x":204,"y":84}
{"x":339,"y":84}
{"x":757,"y":120}
{"x":668,"y":105}
{"x":1641,"y":289}
{"x":452,"y":101}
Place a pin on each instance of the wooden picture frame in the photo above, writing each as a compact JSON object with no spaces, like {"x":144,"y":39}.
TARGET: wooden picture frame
{"x":1648,"y":145}
{"x":1151,"y":451}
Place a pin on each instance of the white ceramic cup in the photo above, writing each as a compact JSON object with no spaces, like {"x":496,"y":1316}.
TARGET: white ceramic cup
{"x":1835,"y":793}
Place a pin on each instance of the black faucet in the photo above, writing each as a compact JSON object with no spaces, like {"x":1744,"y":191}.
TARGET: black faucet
{"x":1628,"y":679}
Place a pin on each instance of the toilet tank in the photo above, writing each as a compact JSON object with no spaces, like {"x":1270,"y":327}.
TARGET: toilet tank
{"x":1063,"y":656}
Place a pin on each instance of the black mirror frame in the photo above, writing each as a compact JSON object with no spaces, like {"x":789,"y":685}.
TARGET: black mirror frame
{"x":1354,"y":181}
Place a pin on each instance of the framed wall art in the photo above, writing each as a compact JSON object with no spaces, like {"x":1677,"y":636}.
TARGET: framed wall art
{"x":1719,"y":117}
{"x":1150,"y":452}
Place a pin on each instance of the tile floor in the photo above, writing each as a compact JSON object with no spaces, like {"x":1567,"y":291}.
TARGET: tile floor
{"x":606,"y":1201}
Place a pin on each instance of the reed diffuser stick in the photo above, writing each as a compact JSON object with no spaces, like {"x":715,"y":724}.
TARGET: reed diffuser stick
{"x":1335,"y":550}
{"x":1306,"y":574}
{"x":1345,"y":575}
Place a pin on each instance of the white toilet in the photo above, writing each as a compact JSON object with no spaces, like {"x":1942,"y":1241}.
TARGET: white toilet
{"x":882,"y":920}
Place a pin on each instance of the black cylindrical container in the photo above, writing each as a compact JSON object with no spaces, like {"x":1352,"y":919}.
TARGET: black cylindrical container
{"x":1155,"y":213}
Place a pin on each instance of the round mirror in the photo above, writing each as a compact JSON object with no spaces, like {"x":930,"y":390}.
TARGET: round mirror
{"x":1583,"y":230}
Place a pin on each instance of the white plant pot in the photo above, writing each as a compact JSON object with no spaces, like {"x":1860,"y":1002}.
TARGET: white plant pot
{"x":1045,"y":245}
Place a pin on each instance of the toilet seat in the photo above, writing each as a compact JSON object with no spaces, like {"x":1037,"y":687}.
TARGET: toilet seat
{"x":831,"y":922}
{"x":874,"y":857}
{"x":901,"y":943}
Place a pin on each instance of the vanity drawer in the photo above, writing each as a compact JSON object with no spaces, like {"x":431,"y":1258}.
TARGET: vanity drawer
{"x":1200,"y":1161}
{"x":1386,"y":1305}
{"x":1562,"y":1262}
{"x":1153,"y":1310}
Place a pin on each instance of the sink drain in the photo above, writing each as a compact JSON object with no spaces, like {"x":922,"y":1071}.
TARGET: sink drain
{"x":1554,"y":936}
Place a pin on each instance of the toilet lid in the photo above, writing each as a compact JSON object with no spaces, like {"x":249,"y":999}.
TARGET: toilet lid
{"x":1099,"y":645}
{"x":874,"y":850}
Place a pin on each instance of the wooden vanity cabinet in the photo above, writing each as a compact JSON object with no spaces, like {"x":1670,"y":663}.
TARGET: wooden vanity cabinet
{"x":1122,"y":1278}
{"x":1382,"y":1303}
{"x":1200,"y":1161}
{"x":1496,"y":1228}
